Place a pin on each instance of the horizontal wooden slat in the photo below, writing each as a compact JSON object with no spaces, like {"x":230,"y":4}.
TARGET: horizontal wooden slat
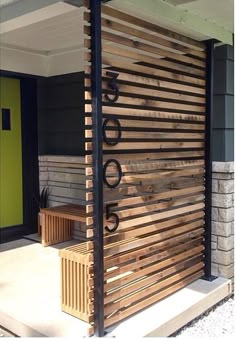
{"x":154,"y":93}
{"x":174,"y":286}
{"x":147,"y":71}
{"x":154,"y":62}
{"x":148,"y":165}
{"x":145,"y":114}
{"x":159,"y":216}
{"x":137,"y":262}
{"x":133,"y":190}
{"x":153,"y":124}
{"x":148,"y":145}
{"x":160,"y":196}
{"x":148,"y":81}
{"x":147,"y":280}
{"x":148,"y":37}
{"x":139,"y":45}
{"x":150,"y":156}
{"x":150,"y":136}
{"x":152,"y":178}
{"x":144,"y":292}
{"x":178,"y":237}
{"x":166,"y":239}
{"x":152,"y":208}
{"x":148,"y":189}
{"x":155,"y":39}
{"x":145,"y":102}
{"x":151,"y":249}
{"x":127,"y":18}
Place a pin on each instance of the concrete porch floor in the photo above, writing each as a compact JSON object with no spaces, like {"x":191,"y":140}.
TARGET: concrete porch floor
{"x":30,"y":298}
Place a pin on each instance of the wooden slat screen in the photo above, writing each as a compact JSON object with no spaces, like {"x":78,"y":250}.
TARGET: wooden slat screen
{"x":154,"y":98}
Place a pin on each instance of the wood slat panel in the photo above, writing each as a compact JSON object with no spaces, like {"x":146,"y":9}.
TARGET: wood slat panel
{"x":149,"y":250}
{"x":158,"y":246}
{"x":154,"y":62}
{"x":154,"y":39}
{"x":154,"y":287}
{"x":150,"y":300}
{"x":158,"y":30}
{"x":137,"y":263}
{"x":139,"y":45}
{"x":144,"y":279}
{"x":157,"y":40}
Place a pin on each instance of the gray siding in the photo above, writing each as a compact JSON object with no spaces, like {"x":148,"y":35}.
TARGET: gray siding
{"x":223,"y":110}
{"x":61,"y":115}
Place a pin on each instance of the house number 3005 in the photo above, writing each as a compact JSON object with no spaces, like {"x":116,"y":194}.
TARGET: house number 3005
{"x":112,"y":84}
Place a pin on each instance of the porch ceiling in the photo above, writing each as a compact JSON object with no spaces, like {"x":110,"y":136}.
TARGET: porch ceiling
{"x":50,"y":32}
{"x":50,"y":35}
{"x":217,"y":11}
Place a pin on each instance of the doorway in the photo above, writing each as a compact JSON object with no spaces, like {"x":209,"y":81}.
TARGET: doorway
{"x":18,"y":157}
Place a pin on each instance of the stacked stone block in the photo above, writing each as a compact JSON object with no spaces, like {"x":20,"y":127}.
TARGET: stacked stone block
{"x":223,"y":219}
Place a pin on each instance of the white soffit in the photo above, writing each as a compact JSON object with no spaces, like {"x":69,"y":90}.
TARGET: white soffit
{"x":59,"y":32}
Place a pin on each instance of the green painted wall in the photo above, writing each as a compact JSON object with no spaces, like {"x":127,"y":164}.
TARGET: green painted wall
{"x":11,"y":192}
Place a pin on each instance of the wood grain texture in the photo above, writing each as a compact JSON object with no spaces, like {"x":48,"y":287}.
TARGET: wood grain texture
{"x":159,"y":79}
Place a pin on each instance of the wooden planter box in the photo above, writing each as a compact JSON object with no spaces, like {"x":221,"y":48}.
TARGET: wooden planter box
{"x":77,"y":281}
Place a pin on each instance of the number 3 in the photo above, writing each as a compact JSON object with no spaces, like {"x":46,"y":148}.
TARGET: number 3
{"x":113,"y":86}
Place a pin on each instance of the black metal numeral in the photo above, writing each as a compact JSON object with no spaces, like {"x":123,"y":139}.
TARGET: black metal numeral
{"x":111,"y":141}
{"x":112,"y":84}
{"x":109,"y":215}
{"x":114,"y":185}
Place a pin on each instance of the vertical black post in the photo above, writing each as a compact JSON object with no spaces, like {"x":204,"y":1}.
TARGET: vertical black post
{"x":96,"y":74}
{"x":208,"y":156}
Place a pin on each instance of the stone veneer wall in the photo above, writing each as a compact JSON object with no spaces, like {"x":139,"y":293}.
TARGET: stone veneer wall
{"x":64,"y":176}
{"x":223,"y":219}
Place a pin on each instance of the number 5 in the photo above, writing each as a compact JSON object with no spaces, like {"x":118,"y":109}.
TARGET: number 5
{"x":109,"y":215}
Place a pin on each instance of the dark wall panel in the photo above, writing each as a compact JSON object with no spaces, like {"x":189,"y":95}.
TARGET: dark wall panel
{"x":61,"y":114}
{"x":223,"y":110}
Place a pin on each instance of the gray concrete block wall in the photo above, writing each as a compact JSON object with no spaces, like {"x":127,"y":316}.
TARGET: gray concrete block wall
{"x":223,"y":219}
{"x":64,"y":176}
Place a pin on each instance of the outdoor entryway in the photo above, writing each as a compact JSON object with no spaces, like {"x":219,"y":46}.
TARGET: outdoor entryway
{"x":120,"y":109}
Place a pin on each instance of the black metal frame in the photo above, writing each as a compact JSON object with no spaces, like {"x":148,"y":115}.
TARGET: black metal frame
{"x":96,"y":76}
{"x":208,"y":157}
{"x":28,"y":89}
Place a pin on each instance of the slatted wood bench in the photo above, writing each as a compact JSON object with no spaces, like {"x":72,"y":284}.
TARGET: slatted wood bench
{"x":77,"y":281}
{"x":57,"y":222}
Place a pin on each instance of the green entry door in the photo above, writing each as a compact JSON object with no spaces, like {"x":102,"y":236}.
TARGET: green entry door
{"x":11,"y":192}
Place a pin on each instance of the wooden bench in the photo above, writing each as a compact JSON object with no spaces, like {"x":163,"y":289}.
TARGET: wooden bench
{"x":57,"y":222}
{"x":77,"y":281}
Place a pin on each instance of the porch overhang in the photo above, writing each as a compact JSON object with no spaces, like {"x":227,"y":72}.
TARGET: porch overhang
{"x":170,"y":12}
{"x":184,"y":20}
{"x":27,"y":28}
